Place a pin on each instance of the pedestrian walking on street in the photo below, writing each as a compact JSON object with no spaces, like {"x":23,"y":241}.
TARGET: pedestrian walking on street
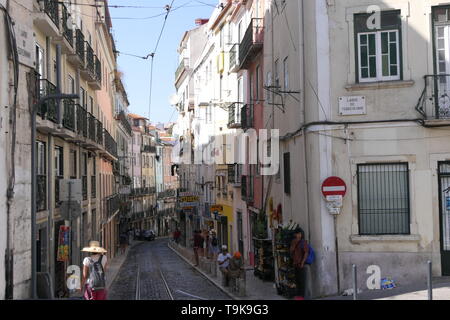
{"x":299,"y":253}
{"x":213,"y":245}
{"x":198,"y":245}
{"x":123,"y":242}
{"x":177,"y":235}
{"x":205,"y":242}
{"x":224,"y":260}
{"x":94,"y":268}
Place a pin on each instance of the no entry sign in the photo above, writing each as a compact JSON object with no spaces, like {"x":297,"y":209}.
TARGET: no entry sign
{"x":334,"y":186}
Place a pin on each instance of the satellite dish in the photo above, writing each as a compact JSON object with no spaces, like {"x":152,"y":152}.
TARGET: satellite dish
{"x":173,"y":100}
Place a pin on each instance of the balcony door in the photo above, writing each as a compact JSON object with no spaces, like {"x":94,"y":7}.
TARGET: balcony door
{"x":442,"y":84}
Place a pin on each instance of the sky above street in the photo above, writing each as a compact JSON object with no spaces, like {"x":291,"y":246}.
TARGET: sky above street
{"x":136,"y":31}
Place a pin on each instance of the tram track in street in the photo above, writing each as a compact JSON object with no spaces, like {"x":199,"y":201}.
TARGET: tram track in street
{"x":153,"y":272}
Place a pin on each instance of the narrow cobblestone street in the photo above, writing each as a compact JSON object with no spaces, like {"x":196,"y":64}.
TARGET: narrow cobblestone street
{"x":151,"y":270}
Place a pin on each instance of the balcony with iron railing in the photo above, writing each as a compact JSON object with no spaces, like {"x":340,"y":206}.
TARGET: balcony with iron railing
{"x":112,"y":205}
{"x":247,"y":188}
{"x":82,"y":128}
{"x":434,"y":103}
{"x":124,"y":122}
{"x":244,"y":187}
{"x":52,"y":10}
{"x":47,"y":110}
{"x":57,"y":191}
{"x":41,"y":196}
{"x":99,"y":132}
{"x":98,"y":70}
{"x":136,"y":192}
{"x":234,"y":58}
{"x":149,"y":149}
{"x":247,"y":117}
{"x":47,"y":17}
{"x":68,"y":120}
{"x":252,"y":42}
{"x":91,"y":127}
{"x":184,"y":63}
{"x":93,"y":187}
{"x":110,"y":144}
{"x":84,"y":187}
{"x":169,"y":193}
{"x":88,"y":72}
{"x":234,"y":115}
{"x":78,"y":58}
{"x":66,"y":30}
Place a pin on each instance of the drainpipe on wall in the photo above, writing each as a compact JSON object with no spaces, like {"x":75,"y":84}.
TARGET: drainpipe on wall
{"x":9,"y":252}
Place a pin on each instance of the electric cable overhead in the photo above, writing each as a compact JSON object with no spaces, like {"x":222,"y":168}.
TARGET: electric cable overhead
{"x":152,"y":55}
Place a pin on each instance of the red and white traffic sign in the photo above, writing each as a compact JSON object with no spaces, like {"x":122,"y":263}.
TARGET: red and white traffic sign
{"x":334,"y":186}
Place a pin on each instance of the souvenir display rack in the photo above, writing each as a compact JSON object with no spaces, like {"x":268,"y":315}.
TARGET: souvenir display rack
{"x":264,"y":260}
{"x":286,"y":273}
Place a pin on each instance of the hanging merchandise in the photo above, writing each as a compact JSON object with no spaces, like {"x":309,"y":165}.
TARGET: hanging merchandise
{"x":286,"y":274}
{"x":63,"y":244}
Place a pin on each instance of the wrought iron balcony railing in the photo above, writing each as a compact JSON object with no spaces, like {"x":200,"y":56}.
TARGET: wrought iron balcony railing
{"x":112,"y":204}
{"x":181,"y":67}
{"x":110,"y":144}
{"x":434,"y":103}
{"x":52,"y":10}
{"x":232,"y":170}
{"x":57,"y":191}
{"x":99,"y":132}
{"x":143,"y":191}
{"x":84,"y":187}
{"x":150,"y":149}
{"x":125,"y":122}
{"x":67,"y":32}
{"x":169,"y":193}
{"x":93,"y":187}
{"x":234,"y":115}
{"x":252,"y":42}
{"x":91,"y":127}
{"x":90,"y":61}
{"x":49,"y":108}
{"x":247,"y":117}
{"x":244,"y":187}
{"x":68,"y":120}
{"x":79,"y":44}
{"x":41,"y":199}
{"x":234,"y":57}
{"x":98,"y":69}
{"x":247,"y":188}
{"x":81,"y":121}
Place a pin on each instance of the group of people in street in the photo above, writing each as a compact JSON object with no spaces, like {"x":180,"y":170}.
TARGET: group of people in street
{"x":205,"y":243}
{"x":93,"y":282}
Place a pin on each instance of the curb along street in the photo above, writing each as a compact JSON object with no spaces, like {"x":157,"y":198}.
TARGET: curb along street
{"x":232,"y":296}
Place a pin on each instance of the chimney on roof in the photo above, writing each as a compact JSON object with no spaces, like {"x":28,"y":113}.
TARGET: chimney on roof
{"x":200,"y":22}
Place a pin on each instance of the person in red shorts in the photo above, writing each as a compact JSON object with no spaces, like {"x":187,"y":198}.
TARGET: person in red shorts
{"x":94,"y":268}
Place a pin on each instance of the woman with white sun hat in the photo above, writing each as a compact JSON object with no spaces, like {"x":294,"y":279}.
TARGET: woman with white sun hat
{"x":94,"y":269}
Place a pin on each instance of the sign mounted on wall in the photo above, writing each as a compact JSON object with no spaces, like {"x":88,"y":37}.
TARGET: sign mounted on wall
{"x":334,"y":186}
{"x":334,"y":189}
{"x":352,"y":105}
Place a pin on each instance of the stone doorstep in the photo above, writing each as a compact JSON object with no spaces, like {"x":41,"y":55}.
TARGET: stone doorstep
{"x":206,"y":265}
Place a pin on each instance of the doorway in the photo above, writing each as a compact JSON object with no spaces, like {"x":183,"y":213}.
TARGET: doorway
{"x":444,"y":215}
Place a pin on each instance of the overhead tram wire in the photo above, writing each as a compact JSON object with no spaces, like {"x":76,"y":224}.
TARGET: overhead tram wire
{"x":185,"y":5}
{"x":152,"y":55}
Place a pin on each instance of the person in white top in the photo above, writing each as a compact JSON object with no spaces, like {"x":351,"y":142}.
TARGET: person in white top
{"x":96,"y":253}
{"x":223,"y":261}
